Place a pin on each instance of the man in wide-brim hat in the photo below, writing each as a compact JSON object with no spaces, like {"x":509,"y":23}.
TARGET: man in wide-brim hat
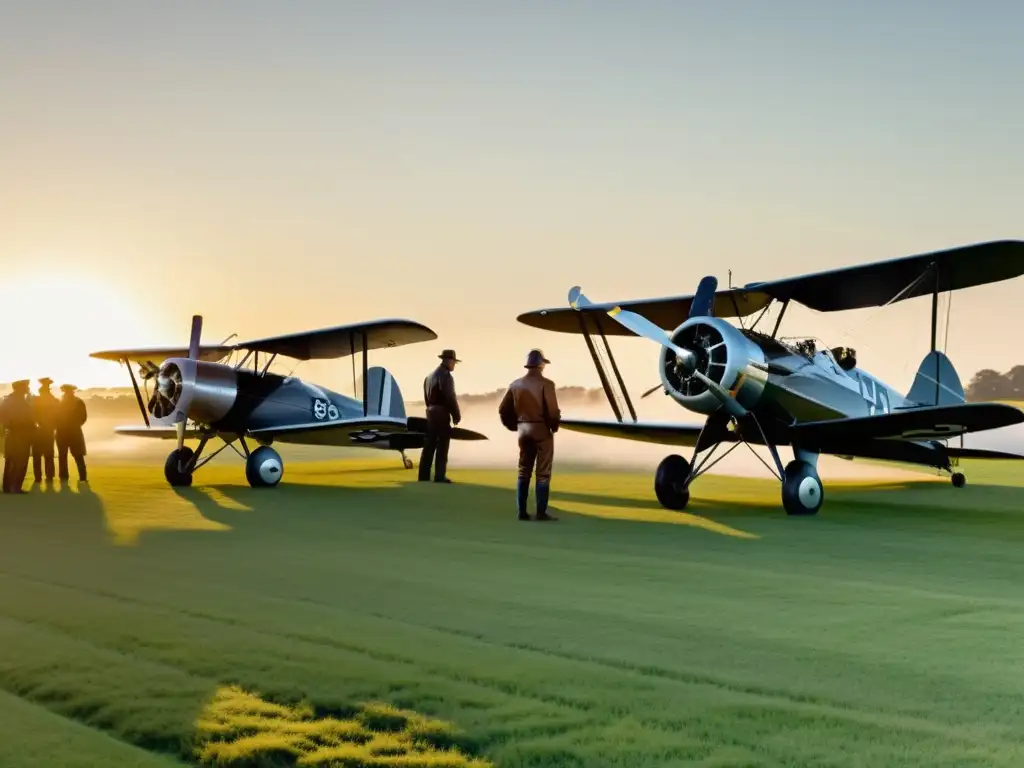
{"x":44,"y":406}
{"x":442,"y":411}
{"x":530,"y":408}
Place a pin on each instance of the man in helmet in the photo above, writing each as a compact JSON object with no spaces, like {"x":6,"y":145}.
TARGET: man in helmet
{"x":45,"y":408}
{"x":19,"y":429}
{"x":530,"y":408}
{"x":71,"y":415}
{"x":442,"y":410}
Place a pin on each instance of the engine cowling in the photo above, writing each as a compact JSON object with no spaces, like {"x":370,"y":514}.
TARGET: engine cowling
{"x":200,"y":391}
{"x":724,"y":355}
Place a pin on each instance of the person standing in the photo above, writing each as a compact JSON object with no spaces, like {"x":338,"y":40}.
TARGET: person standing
{"x":19,"y":427}
{"x":45,"y":408}
{"x":71,"y":416}
{"x":442,"y":410}
{"x":530,"y":408}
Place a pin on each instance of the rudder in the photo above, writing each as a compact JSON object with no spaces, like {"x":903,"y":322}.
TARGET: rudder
{"x":936,"y":382}
{"x":384,"y":398}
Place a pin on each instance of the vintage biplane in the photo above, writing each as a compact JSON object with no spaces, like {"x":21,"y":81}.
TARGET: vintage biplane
{"x":196,"y":395}
{"x":758,"y":389}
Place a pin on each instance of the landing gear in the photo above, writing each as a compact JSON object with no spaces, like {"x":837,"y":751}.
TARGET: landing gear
{"x":264,"y":467}
{"x":802,"y":492}
{"x":406,"y":461}
{"x":671,"y":482}
{"x":959,"y":481}
{"x":178,"y":467}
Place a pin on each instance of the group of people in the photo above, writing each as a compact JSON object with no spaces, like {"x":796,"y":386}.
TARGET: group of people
{"x":529,"y":408}
{"x":33,"y":425}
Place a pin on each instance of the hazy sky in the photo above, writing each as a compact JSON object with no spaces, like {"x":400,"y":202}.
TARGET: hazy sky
{"x":281,"y":166}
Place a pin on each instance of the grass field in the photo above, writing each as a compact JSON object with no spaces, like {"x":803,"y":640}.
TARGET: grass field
{"x":352,"y":617}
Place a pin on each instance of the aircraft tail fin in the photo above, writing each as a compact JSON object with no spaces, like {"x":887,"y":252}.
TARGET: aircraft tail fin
{"x":936,"y":382}
{"x":384,"y":398}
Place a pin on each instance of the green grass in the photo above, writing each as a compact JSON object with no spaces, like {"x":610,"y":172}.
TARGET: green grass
{"x":352,"y":617}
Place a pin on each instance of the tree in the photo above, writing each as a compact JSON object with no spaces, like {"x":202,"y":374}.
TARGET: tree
{"x":991,"y":385}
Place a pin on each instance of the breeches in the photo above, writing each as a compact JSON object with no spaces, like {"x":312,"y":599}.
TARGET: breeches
{"x":536,"y":448}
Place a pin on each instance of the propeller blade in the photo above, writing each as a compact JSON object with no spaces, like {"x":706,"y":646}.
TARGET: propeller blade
{"x":733,"y":407}
{"x":193,"y":342}
{"x":180,"y":427}
{"x":651,"y":391}
{"x":703,"y":304}
{"x":639,"y":325}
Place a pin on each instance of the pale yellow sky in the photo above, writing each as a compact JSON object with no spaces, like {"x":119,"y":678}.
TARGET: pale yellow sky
{"x":278,"y":169}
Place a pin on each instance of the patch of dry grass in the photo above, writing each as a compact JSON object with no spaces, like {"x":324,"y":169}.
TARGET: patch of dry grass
{"x":240,"y":729}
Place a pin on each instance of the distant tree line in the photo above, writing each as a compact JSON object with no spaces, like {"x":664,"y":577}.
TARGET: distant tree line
{"x":992,"y":385}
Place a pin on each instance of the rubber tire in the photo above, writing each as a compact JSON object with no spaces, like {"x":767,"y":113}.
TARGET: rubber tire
{"x":959,"y":481}
{"x":797,"y":473}
{"x":669,"y":480}
{"x":176,"y":478}
{"x":256,"y":460}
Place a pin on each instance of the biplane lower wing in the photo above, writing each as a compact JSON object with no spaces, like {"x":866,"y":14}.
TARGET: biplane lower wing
{"x":927,"y":423}
{"x":981,"y":453}
{"x":664,"y":433}
{"x":162,"y":433}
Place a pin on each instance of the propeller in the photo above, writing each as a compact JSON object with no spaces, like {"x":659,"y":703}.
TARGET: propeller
{"x":193,"y":354}
{"x":702,"y":305}
{"x":641,"y":326}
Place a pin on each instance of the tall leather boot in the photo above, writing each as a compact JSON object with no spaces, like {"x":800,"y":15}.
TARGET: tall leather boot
{"x":522,"y":496}
{"x":542,"y":501}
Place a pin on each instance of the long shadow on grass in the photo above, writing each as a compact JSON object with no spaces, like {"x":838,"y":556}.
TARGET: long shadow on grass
{"x":465,"y":510}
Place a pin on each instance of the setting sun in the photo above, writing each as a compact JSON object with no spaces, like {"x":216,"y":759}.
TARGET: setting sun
{"x":61,"y":319}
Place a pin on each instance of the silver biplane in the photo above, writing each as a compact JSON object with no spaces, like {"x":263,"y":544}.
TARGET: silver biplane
{"x":758,"y":389}
{"x":197,"y":396}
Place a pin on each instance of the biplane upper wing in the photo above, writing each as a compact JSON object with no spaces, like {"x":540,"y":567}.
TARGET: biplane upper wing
{"x":212,"y":353}
{"x":884,"y":282}
{"x":666,"y":312}
{"x":865,"y":285}
{"x":927,"y":423}
{"x":342,"y":340}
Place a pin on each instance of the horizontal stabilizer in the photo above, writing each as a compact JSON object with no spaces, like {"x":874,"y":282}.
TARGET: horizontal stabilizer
{"x":418,"y":424}
{"x":981,"y":453}
{"x":383,"y":396}
{"x":934,"y":422}
{"x":664,"y":433}
{"x":936,"y":382}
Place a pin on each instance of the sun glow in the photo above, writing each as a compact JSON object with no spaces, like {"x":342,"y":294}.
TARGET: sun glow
{"x":56,"y":320}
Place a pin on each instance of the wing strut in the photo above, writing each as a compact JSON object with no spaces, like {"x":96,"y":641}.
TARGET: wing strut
{"x":138,"y":394}
{"x":610,"y":393}
{"x":366,"y":404}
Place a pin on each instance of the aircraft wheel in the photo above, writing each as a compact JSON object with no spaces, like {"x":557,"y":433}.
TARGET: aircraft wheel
{"x":264,"y":467}
{"x":407,"y":462}
{"x":174,"y":475}
{"x":959,"y":481}
{"x":670,"y":482}
{"x":802,"y":492}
